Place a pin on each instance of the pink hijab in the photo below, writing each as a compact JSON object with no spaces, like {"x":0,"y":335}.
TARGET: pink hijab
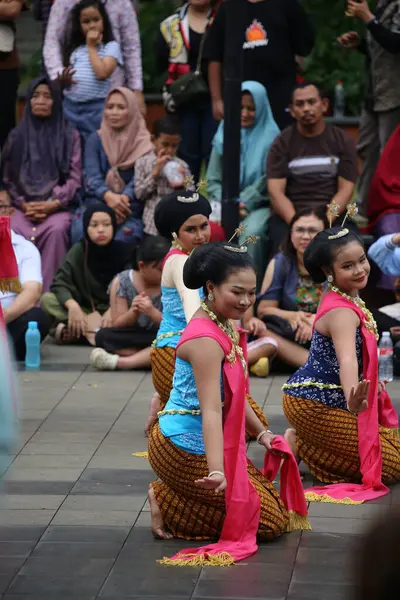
{"x":124,"y":147}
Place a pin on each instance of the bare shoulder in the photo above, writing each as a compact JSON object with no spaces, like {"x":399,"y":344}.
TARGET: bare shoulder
{"x":338,"y":320}
{"x":204,"y":351}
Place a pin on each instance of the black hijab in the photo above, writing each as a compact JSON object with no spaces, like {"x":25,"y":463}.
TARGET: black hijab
{"x":105,"y":262}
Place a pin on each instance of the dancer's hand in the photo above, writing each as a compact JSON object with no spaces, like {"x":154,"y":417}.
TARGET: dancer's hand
{"x":266,"y":441}
{"x":382,"y":386}
{"x":216,"y":482}
{"x":358,"y":399}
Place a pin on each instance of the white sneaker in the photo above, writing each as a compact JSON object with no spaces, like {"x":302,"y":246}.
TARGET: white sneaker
{"x":103,"y":361}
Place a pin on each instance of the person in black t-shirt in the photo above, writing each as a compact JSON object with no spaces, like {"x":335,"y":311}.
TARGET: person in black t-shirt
{"x":274,"y":33}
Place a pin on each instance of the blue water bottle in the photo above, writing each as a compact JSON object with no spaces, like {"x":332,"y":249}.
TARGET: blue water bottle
{"x":32,"y":341}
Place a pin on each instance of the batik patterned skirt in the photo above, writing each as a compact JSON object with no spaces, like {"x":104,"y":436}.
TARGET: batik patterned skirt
{"x":190,"y":512}
{"x":327,"y":442}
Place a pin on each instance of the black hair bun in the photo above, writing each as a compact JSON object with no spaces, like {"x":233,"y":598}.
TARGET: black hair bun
{"x":313,"y":254}
{"x":195,"y":270}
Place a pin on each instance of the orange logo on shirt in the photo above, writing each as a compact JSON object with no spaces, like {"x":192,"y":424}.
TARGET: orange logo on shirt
{"x":256,"y":36}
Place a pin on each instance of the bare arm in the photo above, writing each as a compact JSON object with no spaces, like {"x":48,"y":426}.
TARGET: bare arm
{"x":102,"y":67}
{"x":10,"y":10}
{"x":206,"y":356}
{"x":344,"y":193}
{"x":121,"y":314}
{"x":215,"y":80}
{"x":253,"y":423}
{"x":281,"y":204}
{"x":341,"y":324}
{"x":27,"y":299}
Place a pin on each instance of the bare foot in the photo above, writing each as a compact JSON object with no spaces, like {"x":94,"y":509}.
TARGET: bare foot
{"x":154,"y":408}
{"x":291,"y":438}
{"x":157,"y":522}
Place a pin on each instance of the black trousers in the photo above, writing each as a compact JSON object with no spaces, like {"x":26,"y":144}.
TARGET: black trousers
{"x":9,"y":81}
{"x":17,"y":329}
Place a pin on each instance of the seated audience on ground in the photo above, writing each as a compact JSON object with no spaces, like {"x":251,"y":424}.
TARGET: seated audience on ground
{"x":159,"y":172}
{"x":386,"y":254}
{"x":258,"y":131}
{"x":19,"y":309}
{"x":135,"y":302}
{"x":310,"y":164}
{"x":42,"y":173}
{"x":289,"y":298}
{"x":93,"y":55}
{"x":109,"y":166}
{"x":78,"y":302}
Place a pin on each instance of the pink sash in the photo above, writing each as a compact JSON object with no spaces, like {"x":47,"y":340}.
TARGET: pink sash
{"x":238,"y":536}
{"x":380,"y":412}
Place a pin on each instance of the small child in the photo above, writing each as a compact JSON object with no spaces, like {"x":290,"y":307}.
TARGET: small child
{"x":159,"y":173}
{"x":91,"y":57}
{"x":135,"y":301}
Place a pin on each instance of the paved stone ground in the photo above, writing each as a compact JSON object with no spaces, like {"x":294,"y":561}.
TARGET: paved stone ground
{"x":75,"y":524}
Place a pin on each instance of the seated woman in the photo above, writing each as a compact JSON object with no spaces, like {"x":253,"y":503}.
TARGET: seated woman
{"x":201,"y":430}
{"x":78,"y":303}
{"x":109,"y":170}
{"x":257,"y":134}
{"x":345,"y":428}
{"x":135,"y":302}
{"x":42,"y":173}
{"x":289,"y":298}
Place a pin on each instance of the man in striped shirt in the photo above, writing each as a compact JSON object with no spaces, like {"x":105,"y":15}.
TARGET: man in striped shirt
{"x":309,"y":164}
{"x":126,"y":32}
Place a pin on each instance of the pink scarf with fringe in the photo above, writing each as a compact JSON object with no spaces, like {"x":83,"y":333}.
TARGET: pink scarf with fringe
{"x":238,"y":536}
{"x":380,"y":412}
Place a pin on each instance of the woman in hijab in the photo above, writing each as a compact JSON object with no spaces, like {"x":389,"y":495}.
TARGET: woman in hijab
{"x":42,"y":173}
{"x":78,"y":303}
{"x":258,"y":131}
{"x":110,"y":156}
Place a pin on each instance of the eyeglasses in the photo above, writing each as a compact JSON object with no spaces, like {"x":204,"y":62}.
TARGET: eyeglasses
{"x":311,"y":231}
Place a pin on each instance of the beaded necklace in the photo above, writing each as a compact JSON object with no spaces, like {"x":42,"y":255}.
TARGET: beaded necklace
{"x":179,"y":246}
{"x":369,"y":320}
{"x":230,"y":330}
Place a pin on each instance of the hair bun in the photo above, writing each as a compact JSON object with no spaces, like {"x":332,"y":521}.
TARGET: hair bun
{"x":195,"y":269}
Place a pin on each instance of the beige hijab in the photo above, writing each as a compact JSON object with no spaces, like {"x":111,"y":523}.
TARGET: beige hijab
{"x":124,"y":147}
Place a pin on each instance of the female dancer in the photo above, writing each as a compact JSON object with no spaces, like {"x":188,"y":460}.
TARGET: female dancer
{"x":183,"y":217}
{"x":345,"y":428}
{"x":197,"y":448}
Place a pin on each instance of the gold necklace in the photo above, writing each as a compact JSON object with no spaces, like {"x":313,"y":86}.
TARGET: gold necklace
{"x":369,"y":320}
{"x":179,"y":246}
{"x":230,"y":330}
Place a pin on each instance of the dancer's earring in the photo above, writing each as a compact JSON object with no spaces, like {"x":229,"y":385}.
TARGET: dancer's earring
{"x":211,"y":297}
{"x":330,"y":279}
{"x":174,"y":236}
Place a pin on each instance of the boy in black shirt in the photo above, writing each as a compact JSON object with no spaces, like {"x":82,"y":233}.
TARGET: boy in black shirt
{"x":274,"y":33}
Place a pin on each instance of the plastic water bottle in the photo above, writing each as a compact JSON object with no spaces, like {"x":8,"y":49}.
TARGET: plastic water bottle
{"x":386,"y":358}
{"x":339,"y":100}
{"x":32,"y":341}
{"x":173,"y":172}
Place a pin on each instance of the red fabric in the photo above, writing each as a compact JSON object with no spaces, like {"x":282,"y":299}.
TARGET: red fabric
{"x":384,"y":194}
{"x":380,"y":412}
{"x":8,"y":262}
{"x":291,"y":488}
{"x":217,"y":232}
{"x":238,"y":536}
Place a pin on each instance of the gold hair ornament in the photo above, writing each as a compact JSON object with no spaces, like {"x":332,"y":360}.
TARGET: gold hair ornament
{"x":202,"y":187}
{"x":351,"y":212}
{"x":242,"y":248}
{"x":188,"y":183}
{"x":190,"y":199}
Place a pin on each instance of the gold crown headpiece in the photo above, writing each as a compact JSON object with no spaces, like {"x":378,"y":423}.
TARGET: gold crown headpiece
{"x":333,"y":213}
{"x":189,"y":186}
{"x":250,"y":239}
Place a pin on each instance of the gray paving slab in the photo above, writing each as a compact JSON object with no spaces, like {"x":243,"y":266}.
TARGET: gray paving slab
{"x":77,"y":524}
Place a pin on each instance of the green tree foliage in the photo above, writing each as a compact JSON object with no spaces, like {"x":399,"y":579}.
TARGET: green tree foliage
{"x":329,"y":62}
